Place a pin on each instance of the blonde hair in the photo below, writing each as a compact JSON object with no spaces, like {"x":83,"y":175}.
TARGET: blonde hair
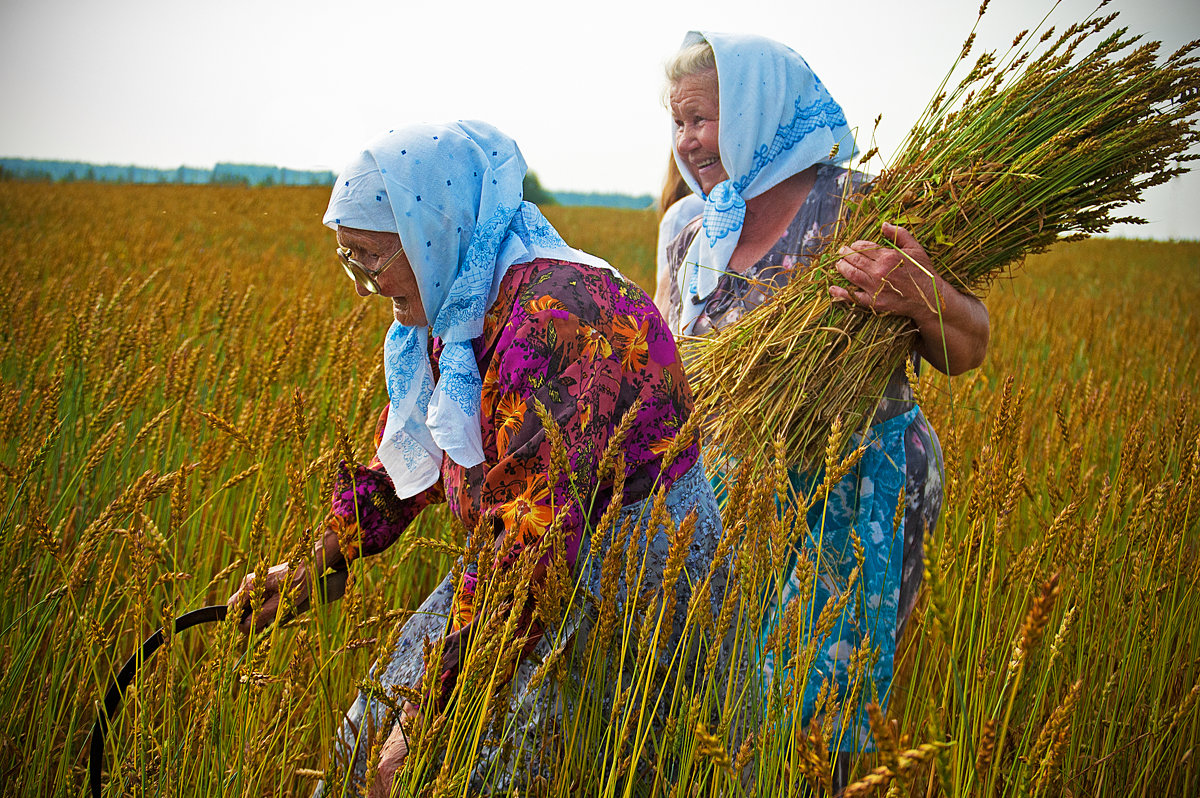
{"x":674,"y":187}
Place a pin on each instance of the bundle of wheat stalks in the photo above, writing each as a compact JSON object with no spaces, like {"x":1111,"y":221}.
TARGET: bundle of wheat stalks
{"x":1034,"y":146}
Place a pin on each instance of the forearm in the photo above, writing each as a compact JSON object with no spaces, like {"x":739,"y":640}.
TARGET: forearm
{"x":366,"y":516}
{"x":329,"y":554}
{"x":953,"y":332}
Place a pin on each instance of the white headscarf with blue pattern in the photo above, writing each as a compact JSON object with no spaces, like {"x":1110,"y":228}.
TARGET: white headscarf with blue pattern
{"x":453,"y":194}
{"x":776,"y":120}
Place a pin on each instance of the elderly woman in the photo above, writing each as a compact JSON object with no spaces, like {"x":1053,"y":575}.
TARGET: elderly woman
{"x":754,"y":134}
{"x":495,"y":318}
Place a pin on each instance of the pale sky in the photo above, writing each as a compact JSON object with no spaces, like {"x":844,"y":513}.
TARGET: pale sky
{"x":303,"y":84}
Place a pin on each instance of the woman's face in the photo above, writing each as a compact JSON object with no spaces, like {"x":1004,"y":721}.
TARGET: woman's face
{"x":397,"y":282}
{"x":696,"y":112}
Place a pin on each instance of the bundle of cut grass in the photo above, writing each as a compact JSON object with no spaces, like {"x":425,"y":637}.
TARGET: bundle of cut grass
{"x":1038,"y":145}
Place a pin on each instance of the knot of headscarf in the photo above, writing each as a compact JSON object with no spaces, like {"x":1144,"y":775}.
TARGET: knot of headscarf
{"x":724,"y":214}
{"x":453,"y":193}
{"x":776,"y":120}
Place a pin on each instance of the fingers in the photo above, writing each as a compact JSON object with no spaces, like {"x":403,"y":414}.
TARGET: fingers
{"x":278,"y":578}
{"x":858,"y":278}
{"x":892,"y":233}
{"x":898,"y":235}
{"x":840,"y":294}
{"x":262,"y":619}
{"x":869,"y":262}
{"x":239,"y":602}
{"x":395,"y":748}
{"x":854,"y":264}
{"x":391,"y":759}
{"x":861,"y":298}
{"x":848,"y":270}
{"x":239,"y":605}
{"x":908,"y":245}
{"x":243,"y":588}
{"x":859,"y":263}
{"x":865,"y":252}
{"x":870,"y":271}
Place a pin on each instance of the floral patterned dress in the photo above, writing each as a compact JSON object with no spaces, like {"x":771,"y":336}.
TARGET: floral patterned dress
{"x":904,"y":459}
{"x":589,"y":347}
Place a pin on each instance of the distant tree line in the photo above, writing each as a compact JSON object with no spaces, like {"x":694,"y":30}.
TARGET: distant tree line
{"x":532,"y":188}
{"x":232,"y":174}
{"x":222,"y":173}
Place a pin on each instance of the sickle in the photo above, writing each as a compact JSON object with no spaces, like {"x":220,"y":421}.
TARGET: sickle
{"x":334,"y":588}
{"x":112,"y":699}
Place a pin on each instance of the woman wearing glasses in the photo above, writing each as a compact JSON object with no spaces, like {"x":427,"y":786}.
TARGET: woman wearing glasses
{"x":496,"y":318}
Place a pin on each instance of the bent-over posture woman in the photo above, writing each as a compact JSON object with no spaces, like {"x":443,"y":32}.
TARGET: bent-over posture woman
{"x":494,"y":315}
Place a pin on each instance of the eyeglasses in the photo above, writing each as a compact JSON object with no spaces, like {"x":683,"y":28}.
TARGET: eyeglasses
{"x":361,"y":274}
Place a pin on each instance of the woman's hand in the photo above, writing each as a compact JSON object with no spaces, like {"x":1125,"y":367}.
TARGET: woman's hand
{"x":279,"y":578}
{"x":392,"y":755}
{"x":953,"y":326}
{"x":327,"y":554}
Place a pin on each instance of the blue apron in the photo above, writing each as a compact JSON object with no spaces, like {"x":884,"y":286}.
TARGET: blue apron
{"x":863,"y":501}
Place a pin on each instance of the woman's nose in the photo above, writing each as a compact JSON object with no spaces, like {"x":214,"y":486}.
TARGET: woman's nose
{"x":360,"y":289}
{"x":685,"y":139}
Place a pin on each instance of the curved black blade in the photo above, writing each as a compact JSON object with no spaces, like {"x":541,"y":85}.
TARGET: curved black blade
{"x":112,"y":699}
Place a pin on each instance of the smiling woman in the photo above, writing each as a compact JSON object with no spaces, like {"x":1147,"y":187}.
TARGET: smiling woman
{"x":697,"y":115}
{"x":758,"y":137}
{"x":522,"y":373}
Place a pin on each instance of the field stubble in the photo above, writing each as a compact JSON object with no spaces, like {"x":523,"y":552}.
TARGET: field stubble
{"x":181,"y":368}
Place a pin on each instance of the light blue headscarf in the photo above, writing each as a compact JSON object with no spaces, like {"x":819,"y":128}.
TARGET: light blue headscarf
{"x":453,"y":194}
{"x":776,"y":120}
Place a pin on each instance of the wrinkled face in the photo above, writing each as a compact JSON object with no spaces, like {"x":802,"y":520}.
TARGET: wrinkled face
{"x":696,"y":112}
{"x":397,"y":282}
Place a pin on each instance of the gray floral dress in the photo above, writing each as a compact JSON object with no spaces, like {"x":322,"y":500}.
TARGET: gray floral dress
{"x":904,"y":459}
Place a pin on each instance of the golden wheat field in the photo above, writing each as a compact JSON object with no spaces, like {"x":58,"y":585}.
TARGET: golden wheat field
{"x":181,"y":368}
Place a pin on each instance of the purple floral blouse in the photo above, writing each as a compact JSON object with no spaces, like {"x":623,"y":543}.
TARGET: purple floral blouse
{"x":588,"y":346}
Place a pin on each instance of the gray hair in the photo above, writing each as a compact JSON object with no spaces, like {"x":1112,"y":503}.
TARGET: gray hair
{"x":692,"y":59}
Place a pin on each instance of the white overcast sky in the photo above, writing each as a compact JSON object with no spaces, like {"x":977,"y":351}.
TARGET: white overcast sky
{"x":302,"y":84}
